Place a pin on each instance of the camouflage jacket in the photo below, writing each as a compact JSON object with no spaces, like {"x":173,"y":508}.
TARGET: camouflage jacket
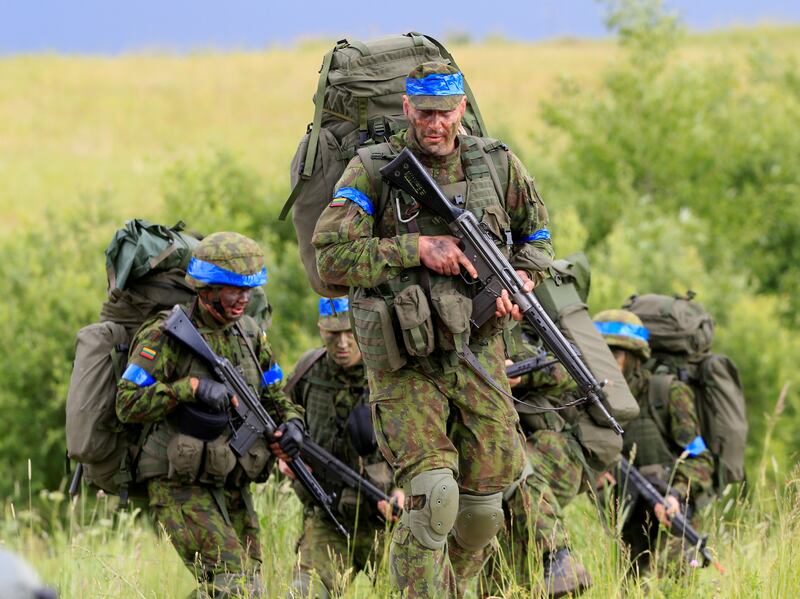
{"x":328,"y":393}
{"x":157,"y":377}
{"x":350,"y":252}
{"x":692,"y":475}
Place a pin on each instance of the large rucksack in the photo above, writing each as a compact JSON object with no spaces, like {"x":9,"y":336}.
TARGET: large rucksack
{"x":681,"y":333}
{"x":145,"y":264}
{"x":358,"y":102}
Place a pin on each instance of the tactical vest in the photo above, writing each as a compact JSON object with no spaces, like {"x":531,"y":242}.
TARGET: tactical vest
{"x":168,"y":453}
{"x":649,"y":430}
{"x":423,"y":311}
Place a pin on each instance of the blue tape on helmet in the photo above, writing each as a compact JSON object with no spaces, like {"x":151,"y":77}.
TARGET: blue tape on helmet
{"x":623,"y":329}
{"x":436,"y":84}
{"x":332,"y":307}
{"x":272,"y":376}
{"x":138,"y":376}
{"x":356,"y":196}
{"x":214,"y":275}
{"x":696,"y":447}
{"x":541,"y":234}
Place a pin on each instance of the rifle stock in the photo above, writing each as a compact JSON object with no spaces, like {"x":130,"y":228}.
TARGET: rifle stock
{"x":495,"y":274}
{"x":253,"y":419}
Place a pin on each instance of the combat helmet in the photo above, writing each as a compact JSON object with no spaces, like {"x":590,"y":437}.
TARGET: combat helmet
{"x":227,"y":258}
{"x":333,"y":314}
{"x":624,"y":330}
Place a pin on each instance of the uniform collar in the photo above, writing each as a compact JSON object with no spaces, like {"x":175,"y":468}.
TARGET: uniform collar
{"x":207,"y":321}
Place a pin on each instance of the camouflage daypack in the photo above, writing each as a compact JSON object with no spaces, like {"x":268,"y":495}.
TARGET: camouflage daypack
{"x":145,"y":264}
{"x":681,"y":333}
{"x":358,"y":102}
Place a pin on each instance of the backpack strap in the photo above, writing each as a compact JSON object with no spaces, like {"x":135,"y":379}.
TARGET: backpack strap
{"x":302,"y":368}
{"x":484,"y":156}
{"x":658,"y":399}
{"x":373,"y":158}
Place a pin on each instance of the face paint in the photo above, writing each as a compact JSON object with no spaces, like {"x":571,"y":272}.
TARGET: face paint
{"x":342,"y":347}
{"x":226,"y":303}
{"x":434,"y":130}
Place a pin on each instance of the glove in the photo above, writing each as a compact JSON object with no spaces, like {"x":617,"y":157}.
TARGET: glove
{"x":291,"y":439}
{"x":213,"y":395}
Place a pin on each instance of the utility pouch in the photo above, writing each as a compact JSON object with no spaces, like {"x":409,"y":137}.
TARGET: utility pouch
{"x":414,"y":315}
{"x":220,"y":461}
{"x":454,"y":311}
{"x":254,"y":461}
{"x":185,"y":453}
{"x":372,"y":324}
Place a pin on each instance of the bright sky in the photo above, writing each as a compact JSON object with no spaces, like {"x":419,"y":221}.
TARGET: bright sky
{"x":110,"y":26}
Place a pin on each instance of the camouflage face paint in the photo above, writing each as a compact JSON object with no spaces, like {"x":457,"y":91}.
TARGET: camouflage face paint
{"x":342,"y":347}
{"x":434,"y":130}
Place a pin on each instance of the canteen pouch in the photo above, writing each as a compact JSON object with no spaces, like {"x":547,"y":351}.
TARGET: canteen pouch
{"x":220,"y":461}
{"x":185,"y":454}
{"x":454,"y":310}
{"x":254,"y":460}
{"x":372,"y":325}
{"x":414,"y":316}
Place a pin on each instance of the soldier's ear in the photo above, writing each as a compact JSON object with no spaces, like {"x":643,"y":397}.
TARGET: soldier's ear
{"x":406,"y":106}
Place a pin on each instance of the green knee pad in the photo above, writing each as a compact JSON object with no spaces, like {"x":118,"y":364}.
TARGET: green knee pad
{"x":479,"y":520}
{"x":306,"y":586}
{"x":431,"y":524}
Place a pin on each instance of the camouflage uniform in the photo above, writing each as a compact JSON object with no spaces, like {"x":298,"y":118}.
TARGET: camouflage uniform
{"x":534,"y":510}
{"x":435,"y":419}
{"x":206,"y":511}
{"x":329,"y":393}
{"x":656,"y":439}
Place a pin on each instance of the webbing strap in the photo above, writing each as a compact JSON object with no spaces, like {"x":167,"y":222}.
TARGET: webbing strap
{"x":219,"y":498}
{"x":416,"y":37}
{"x":467,"y":90}
{"x":360,"y":46}
{"x":313,"y":136}
{"x":303,"y":368}
{"x":658,"y":398}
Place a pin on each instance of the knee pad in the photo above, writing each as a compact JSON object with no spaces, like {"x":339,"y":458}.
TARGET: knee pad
{"x":431,"y":523}
{"x":480,"y":518}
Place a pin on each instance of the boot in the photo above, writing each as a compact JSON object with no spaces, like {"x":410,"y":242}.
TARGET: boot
{"x":564,"y":575}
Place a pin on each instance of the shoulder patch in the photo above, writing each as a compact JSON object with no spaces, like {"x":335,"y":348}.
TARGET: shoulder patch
{"x":148,"y":353}
{"x":343,"y":194}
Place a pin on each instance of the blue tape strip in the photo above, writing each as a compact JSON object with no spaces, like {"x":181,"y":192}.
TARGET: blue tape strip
{"x":214,"y":275}
{"x":436,"y":84}
{"x":272,"y":376}
{"x":356,"y":196}
{"x":696,"y":447}
{"x":623,"y":329}
{"x":138,"y":376}
{"x":332,"y":307}
{"x":541,"y":234}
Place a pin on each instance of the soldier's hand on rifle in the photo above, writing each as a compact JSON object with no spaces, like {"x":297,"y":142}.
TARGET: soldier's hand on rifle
{"x":385,"y":508}
{"x":212,"y":394}
{"x":442,"y":254}
{"x":287,"y":440}
{"x":513,"y":382}
{"x":665,"y":514}
{"x":504,"y":303}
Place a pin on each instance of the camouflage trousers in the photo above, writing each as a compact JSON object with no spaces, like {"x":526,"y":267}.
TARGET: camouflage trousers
{"x":534,"y":512}
{"x":226,"y":554}
{"x":445,"y":418}
{"x":327,"y":562}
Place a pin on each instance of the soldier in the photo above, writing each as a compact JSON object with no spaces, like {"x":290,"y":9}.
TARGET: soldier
{"x":331,"y":385}
{"x":534,"y":519}
{"x":439,"y":396}
{"x":199,"y":491}
{"x":664,"y":442}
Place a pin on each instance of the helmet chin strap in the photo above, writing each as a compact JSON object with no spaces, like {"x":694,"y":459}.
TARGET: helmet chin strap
{"x":210,"y":300}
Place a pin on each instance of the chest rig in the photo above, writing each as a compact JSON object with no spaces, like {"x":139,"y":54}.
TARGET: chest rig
{"x":649,"y":430}
{"x":430,"y":310}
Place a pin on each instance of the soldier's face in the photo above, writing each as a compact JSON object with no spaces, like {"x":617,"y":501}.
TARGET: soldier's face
{"x":233,"y":301}
{"x":435,"y":130}
{"x":342,"y":347}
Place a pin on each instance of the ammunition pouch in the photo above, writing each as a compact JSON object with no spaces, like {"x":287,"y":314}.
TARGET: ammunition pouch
{"x":219,"y":462}
{"x":454,"y":310}
{"x":185,"y":454}
{"x":255,"y":460}
{"x":372,"y":324}
{"x":414,"y":316}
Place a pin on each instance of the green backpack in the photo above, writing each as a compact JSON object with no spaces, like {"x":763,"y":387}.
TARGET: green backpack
{"x":681,"y":333}
{"x":358,"y":102}
{"x":146,"y":265}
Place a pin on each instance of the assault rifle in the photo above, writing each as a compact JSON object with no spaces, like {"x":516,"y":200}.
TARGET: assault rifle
{"x":538,"y":362}
{"x":335,"y":470}
{"x":678,"y":525}
{"x":495,"y":274}
{"x":251,"y":420}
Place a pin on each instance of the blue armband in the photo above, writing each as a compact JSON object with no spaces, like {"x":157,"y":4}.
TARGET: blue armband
{"x":541,"y":234}
{"x":272,"y":376}
{"x":355,"y":196}
{"x":696,"y":447}
{"x":138,"y":376}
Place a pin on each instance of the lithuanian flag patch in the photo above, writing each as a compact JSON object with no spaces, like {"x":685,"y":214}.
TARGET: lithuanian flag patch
{"x":148,"y":353}
{"x":336,"y":202}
